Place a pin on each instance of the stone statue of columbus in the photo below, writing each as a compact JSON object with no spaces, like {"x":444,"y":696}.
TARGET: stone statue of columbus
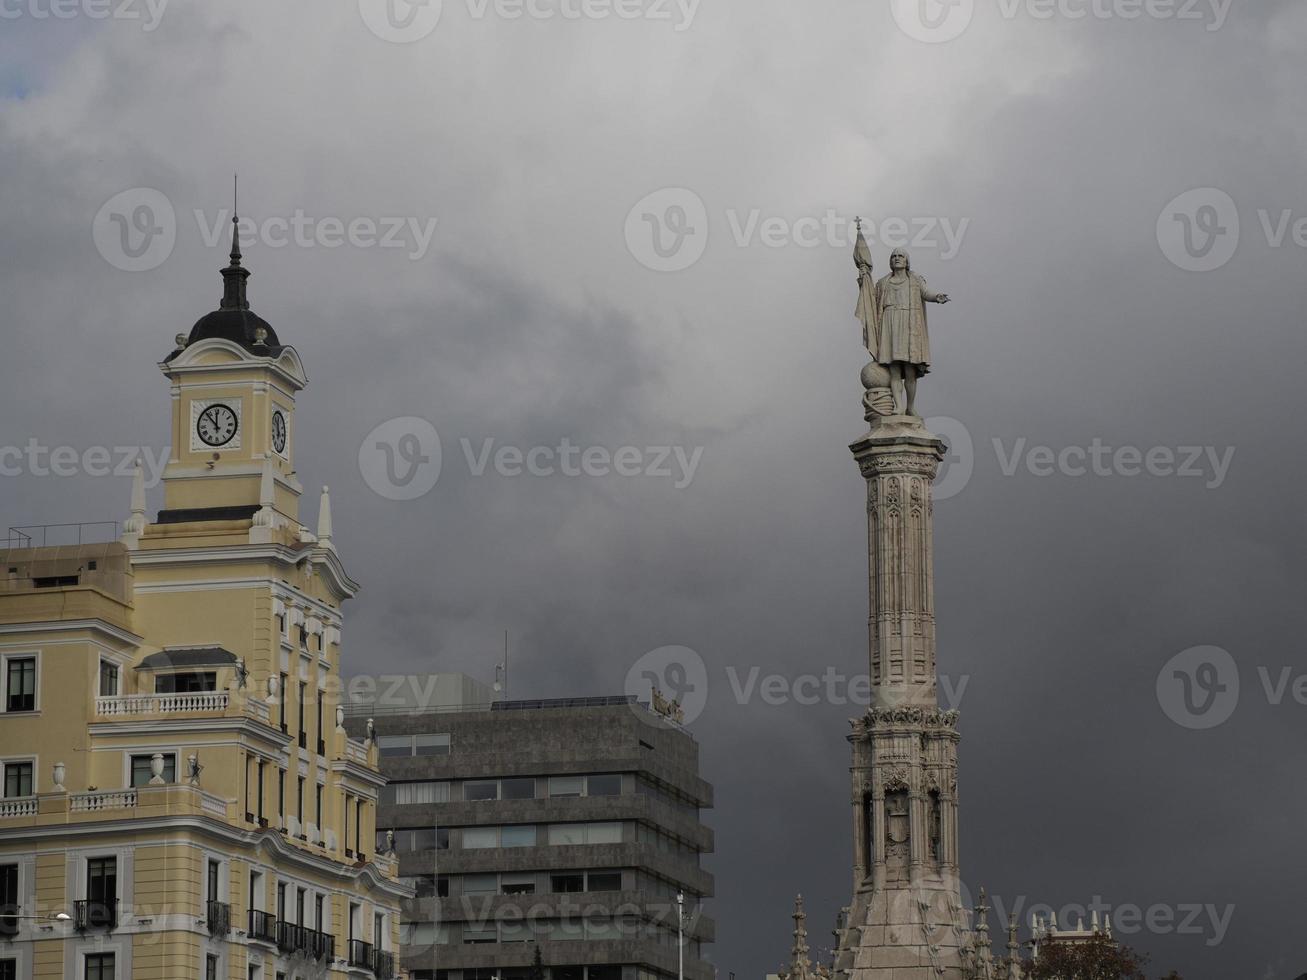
{"x":894,"y":331}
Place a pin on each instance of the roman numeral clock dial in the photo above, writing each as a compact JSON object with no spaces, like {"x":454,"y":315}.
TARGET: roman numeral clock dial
{"x":279,"y":432}
{"x":216,"y":425}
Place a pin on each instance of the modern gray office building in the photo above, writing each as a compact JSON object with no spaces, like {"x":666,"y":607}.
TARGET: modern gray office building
{"x":566,"y":828}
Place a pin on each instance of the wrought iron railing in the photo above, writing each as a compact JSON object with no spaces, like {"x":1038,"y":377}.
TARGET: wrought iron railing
{"x":219,"y":917}
{"x":263,"y":926}
{"x":360,"y":954}
{"x":95,"y":914}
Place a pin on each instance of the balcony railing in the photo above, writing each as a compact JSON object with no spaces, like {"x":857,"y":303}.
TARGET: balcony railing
{"x":219,"y":918}
{"x":384,"y":964}
{"x":18,"y":808}
{"x":316,"y":945}
{"x":117,"y":800}
{"x":9,"y":922}
{"x":360,"y":954}
{"x":161,"y":704}
{"x":263,"y":926}
{"x":95,"y":914}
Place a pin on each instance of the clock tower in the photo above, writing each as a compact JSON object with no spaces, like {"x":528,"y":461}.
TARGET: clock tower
{"x":233,"y":406}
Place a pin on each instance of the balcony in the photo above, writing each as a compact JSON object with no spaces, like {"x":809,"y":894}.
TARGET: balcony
{"x":9,"y":923}
{"x":95,"y":914}
{"x":383,"y":964}
{"x":263,"y":926}
{"x":360,"y":954}
{"x":218,"y":915}
{"x":301,"y":939}
{"x":162,"y":704}
{"x":188,"y":703}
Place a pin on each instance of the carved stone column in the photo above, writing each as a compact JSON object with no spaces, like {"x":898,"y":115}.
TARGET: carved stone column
{"x":907,"y":924}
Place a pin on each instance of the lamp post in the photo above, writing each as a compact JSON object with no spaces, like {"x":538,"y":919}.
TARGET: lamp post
{"x":680,"y":936}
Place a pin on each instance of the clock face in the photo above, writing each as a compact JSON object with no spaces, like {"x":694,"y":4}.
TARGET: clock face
{"x":216,"y":425}
{"x":279,"y":432}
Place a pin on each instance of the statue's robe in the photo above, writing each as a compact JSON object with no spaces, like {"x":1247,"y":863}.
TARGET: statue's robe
{"x":900,"y":307}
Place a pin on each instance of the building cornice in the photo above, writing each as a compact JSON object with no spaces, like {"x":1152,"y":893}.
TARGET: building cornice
{"x":75,"y":625}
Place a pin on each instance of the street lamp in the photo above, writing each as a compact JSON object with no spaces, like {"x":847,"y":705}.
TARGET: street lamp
{"x":680,"y":936}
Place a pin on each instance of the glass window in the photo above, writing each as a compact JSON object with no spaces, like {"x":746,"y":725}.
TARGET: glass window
{"x":142,"y":774}
{"x":517,"y":789}
{"x":566,"y":786}
{"x":394,"y":745}
{"x":515,"y":931}
{"x":481,"y":884}
{"x":99,"y":966}
{"x":432,"y":744}
{"x":474,"y":935}
{"x":426,"y":839}
{"x":567,"y":883}
{"x":414,"y":793}
{"x":108,"y":679}
{"x":606,"y":785}
{"x":8,"y":970}
{"x":18,"y":779}
{"x":211,"y":967}
{"x":605,"y":971}
{"x":485,"y":789}
{"x":517,"y":884}
{"x":603,"y":833}
{"x":475,"y":838}
{"x":20,"y":684}
{"x":521,"y":836}
{"x":562,"y":834}
{"x":605,"y":881}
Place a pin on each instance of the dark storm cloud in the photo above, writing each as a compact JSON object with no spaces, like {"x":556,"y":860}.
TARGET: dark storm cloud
{"x":1059,"y":598}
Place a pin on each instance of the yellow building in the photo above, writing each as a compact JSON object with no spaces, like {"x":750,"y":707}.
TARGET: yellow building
{"x":180,"y":797}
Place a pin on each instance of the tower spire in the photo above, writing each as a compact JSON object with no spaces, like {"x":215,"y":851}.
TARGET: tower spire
{"x":235,"y":275}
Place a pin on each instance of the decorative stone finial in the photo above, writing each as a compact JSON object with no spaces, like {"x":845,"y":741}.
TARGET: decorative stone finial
{"x":60,"y":771}
{"x":324,"y":518}
{"x":134,"y":526}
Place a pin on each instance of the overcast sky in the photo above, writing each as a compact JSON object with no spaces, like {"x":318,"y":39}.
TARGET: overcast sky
{"x":1036,"y":161}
